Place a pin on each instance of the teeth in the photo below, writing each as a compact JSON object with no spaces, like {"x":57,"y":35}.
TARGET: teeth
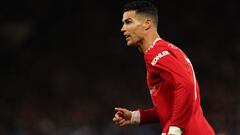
{"x":126,"y":35}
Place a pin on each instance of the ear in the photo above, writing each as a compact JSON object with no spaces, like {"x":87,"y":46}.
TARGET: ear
{"x":147,"y":24}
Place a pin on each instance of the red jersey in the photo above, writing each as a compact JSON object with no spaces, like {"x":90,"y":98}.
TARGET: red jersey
{"x":174,"y":91}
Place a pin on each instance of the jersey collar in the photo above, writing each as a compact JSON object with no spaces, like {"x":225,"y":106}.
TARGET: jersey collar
{"x":154,"y":42}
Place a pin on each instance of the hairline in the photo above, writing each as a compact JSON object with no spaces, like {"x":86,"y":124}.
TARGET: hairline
{"x":144,"y":14}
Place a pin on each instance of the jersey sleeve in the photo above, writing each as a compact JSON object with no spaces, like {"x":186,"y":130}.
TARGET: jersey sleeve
{"x":148,"y":116}
{"x":178,"y":73}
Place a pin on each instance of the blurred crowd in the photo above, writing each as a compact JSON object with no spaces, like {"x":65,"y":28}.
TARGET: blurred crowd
{"x":65,"y":66}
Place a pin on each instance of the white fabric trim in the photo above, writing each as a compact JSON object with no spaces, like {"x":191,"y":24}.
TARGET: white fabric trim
{"x":154,"y":42}
{"x":135,"y":119}
{"x":194,"y":78}
{"x":173,"y":130}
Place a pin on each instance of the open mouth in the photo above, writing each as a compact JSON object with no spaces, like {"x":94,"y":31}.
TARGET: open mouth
{"x":127,"y":37}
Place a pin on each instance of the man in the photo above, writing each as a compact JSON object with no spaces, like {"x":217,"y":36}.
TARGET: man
{"x":170,"y":77}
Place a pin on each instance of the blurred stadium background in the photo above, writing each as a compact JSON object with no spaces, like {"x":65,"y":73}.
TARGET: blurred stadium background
{"x":65,"y":65}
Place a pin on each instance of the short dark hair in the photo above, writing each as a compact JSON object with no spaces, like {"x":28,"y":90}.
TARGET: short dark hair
{"x":143,"y":7}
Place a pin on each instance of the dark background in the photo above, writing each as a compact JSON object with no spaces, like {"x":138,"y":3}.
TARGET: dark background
{"x":65,"y":65}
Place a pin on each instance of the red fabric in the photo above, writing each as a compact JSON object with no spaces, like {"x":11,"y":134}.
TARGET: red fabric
{"x":148,"y":116}
{"x":174,"y":91}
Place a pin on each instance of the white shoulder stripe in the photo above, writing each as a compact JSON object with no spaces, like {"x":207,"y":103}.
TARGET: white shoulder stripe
{"x":194,"y":78}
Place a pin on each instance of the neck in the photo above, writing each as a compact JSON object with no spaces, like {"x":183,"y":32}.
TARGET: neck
{"x":147,"y":42}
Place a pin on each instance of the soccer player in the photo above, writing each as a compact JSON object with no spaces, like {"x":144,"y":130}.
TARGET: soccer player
{"x":171,"y":79}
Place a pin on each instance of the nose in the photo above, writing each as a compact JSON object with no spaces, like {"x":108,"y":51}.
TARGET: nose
{"x":123,"y":29}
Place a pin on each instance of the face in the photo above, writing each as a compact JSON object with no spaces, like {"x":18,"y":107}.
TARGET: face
{"x":132,"y":28}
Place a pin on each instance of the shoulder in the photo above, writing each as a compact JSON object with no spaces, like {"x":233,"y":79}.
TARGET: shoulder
{"x":160,"y":50}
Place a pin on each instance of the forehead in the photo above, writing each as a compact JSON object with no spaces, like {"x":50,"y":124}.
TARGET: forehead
{"x":129,"y":15}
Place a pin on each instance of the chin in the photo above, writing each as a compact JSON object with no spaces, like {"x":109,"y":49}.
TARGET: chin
{"x":128,"y":44}
{"x":131,"y":44}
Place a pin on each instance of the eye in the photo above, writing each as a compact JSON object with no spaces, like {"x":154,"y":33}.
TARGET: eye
{"x":128,"y":21}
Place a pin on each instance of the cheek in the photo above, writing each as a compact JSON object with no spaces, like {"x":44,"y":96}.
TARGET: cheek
{"x":138,"y":34}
